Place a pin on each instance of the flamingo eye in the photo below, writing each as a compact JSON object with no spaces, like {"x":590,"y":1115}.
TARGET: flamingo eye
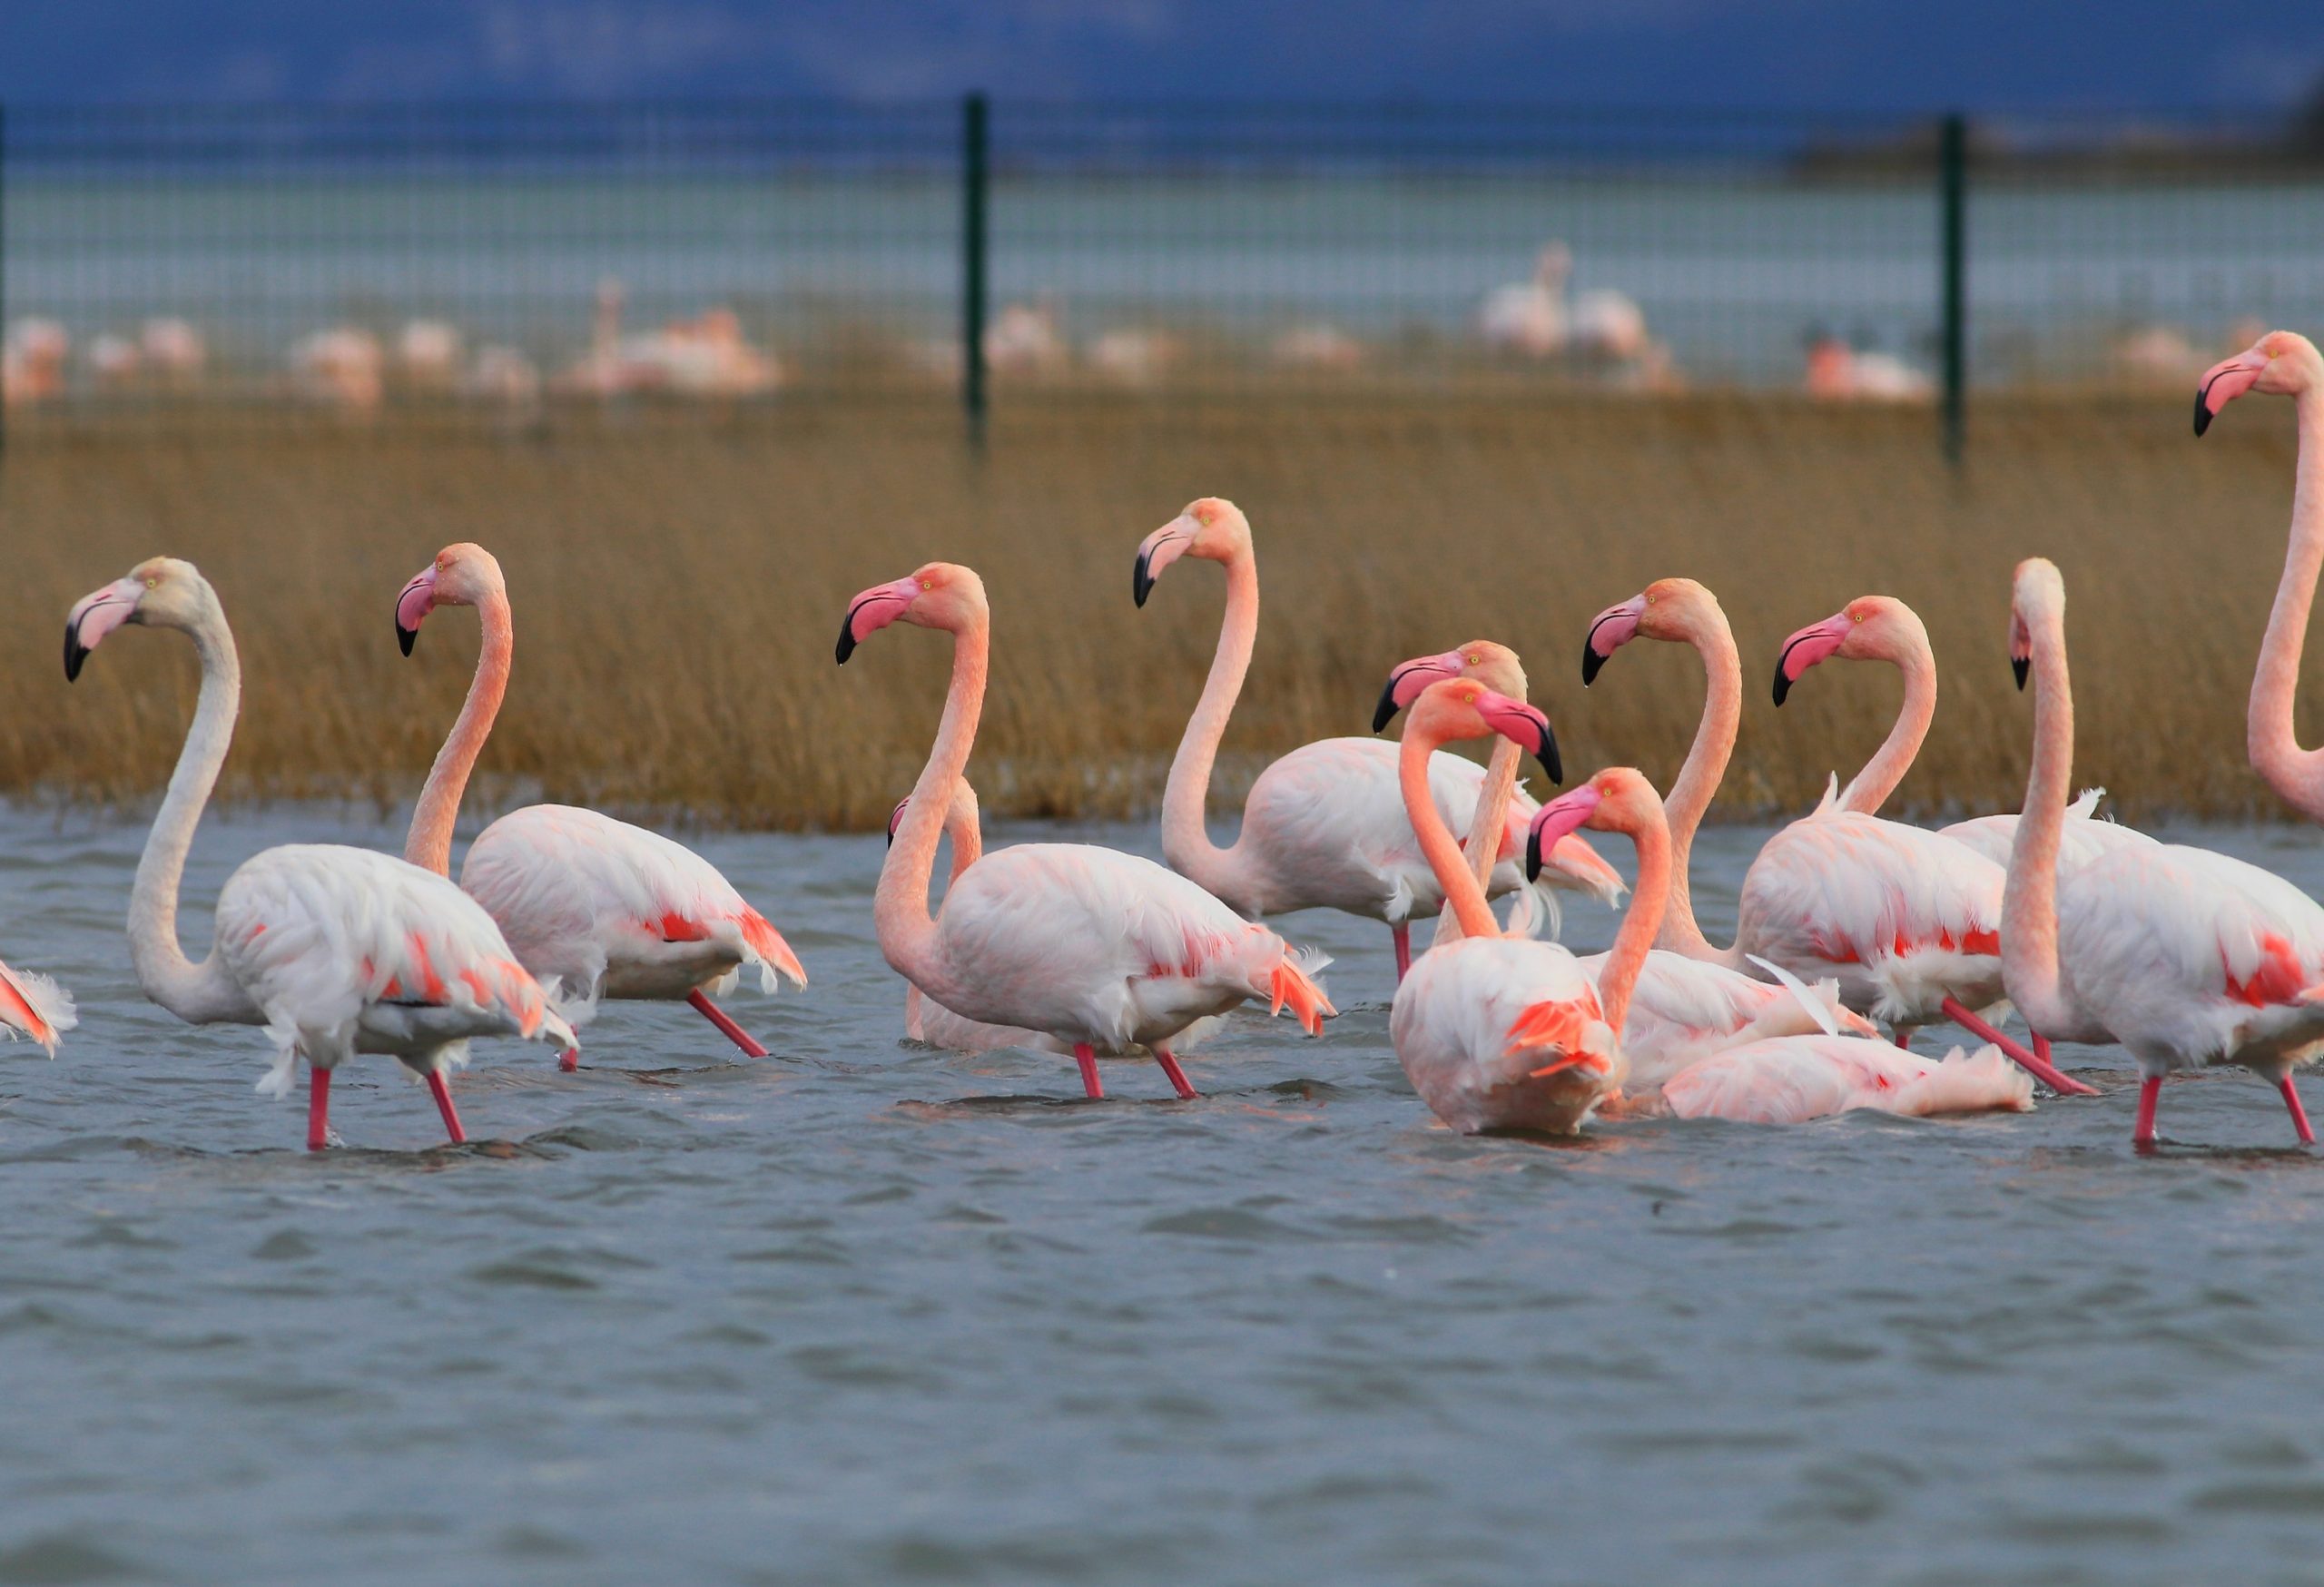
{"x":927,"y":584}
{"x":153,"y":581}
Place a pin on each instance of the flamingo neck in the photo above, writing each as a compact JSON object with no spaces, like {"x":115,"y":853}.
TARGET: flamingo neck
{"x":1185,"y":839}
{"x":960,"y":825}
{"x":1894,"y":758}
{"x":1698,"y":779}
{"x":1464,"y":896}
{"x":1487,"y":830}
{"x":1650,"y":899}
{"x":907,"y":931}
{"x":429,"y":842}
{"x":2029,"y":910}
{"x":203,"y":993}
{"x":2295,"y":772}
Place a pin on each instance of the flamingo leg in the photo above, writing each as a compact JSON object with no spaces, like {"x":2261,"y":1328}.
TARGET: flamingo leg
{"x":569,"y":1060}
{"x":1086,"y":1057}
{"x":2041,"y":1046}
{"x":1402,"y":932}
{"x":1902,"y":1035}
{"x":1185,"y":1089}
{"x":2040,"y":1068}
{"x":717,"y":1016}
{"x":2143,"y":1132}
{"x":2298,"y":1113}
{"x":443,"y":1095}
{"x":318,"y":1109}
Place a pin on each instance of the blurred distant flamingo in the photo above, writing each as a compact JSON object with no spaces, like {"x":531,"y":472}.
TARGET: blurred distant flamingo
{"x":1528,"y":317}
{"x":2190,"y":961}
{"x":1104,"y":950}
{"x":342,"y":367}
{"x":335,"y":951}
{"x":1906,"y":919}
{"x":1323,"y":827}
{"x":610,"y":909}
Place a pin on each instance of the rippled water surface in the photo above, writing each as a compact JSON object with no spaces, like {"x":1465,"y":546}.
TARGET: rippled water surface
{"x":867,"y":1313}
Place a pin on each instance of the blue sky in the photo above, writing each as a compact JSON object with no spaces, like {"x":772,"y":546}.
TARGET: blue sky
{"x":2155,"y":55}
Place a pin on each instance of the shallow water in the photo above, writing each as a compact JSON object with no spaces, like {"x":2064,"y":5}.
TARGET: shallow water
{"x":867,"y":1313}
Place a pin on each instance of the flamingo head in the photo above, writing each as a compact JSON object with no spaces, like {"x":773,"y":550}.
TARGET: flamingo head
{"x":1494,"y":665}
{"x":162,"y":592}
{"x":1459,"y":708}
{"x":1667,"y":609}
{"x":2037,"y":591}
{"x":2283,"y":363}
{"x":462,"y":574}
{"x":1868,"y":628}
{"x":1617,"y":799}
{"x":941,"y":595}
{"x":1212,"y":528}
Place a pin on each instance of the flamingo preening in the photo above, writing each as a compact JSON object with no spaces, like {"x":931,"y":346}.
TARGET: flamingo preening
{"x":610,"y":909}
{"x":1906,"y":921}
{"x":1103,"y":950}
{"x":335,"y":951}
{"x":1323,"y":827}
{"x":2189,"y":960}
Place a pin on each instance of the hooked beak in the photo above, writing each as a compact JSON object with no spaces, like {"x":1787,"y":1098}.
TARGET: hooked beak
{"x":2224,"y":383}
{"x":416,"y":601}
{"x":1556,"y":820}
{"x":93,"y":616}
{"x":871,"y":611}
{"x":1406,"y":681}
{"x":1525,"y":727}
{"x":1608,"y":632}
{"x":1805,"y":648}
{"x":1157,"y":552}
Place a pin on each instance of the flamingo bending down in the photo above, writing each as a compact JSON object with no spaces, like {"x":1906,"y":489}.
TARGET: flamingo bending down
{"x":1323,"y":827}
{"x":610,"y":909}
{"x":2189,"y":960}
{"x":335,"y":951}
{"x":34,"y":1008}
{"x":1104,"y":950}
{"x":1496,"y":1031}
{"x":1906,"y":921}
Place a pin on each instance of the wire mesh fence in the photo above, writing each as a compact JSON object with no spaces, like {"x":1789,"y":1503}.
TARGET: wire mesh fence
{"x":489,"y":261}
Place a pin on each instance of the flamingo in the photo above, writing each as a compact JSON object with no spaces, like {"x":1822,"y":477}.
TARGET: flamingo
{"x":1323,"y":827}
{"x":34,"y":1008}
{"x":1904,"y":919}
{"x":335,"y":951}
{"x":2188,"y":959}
{"x":1504,"y":1032}
{"x":1103,"y":950}
{"x":1528,"y":317}
{"x":2283,"y":364}
{"x":611,"y":910}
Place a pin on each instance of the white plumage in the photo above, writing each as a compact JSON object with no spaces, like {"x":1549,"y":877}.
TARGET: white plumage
{"x":1684,"y":1010}
{"x":2086,"y":836}
{"x":1796,"y":1078}
{"x":34,"y":1008}
{"x":1452,"y":1024}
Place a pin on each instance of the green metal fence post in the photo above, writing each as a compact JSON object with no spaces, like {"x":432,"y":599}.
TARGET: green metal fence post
{"x":974,"y":157}
{"x":1952,"y":190}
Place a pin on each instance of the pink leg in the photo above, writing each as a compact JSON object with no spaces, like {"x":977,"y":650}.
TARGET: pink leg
{"x":2143,"y":1132}
{"x":318,"y":1109}
{"x":2039,"y":1068}
{"x":2042,"y":1047}
{"x":1086,"y":1057}
{"x":717,"y":1016}
{"x":2298,"y":1113}
{"x":1402,"y":932}
{"x":1901,"y":1037}
{"x":570,"y":1059}
{"x":443,"y":1095}
{"x":1178,"y":1076}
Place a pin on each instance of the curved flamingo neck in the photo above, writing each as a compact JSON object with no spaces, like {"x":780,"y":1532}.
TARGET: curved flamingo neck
{"x":203,"y":993}
{"x":1464,"y":896}
{"x":1488,"y":829}
{"x":1698,"y":779}
{"x":429,"y":842}
{"x":907,"y":931}
{"x":1894,"y":758}
{"x":1185,"y":840}
{"x":1626,"y":960}
{"x":961,"y":826}
{"x":2029,"y":910}
{"x":2295,"y":772}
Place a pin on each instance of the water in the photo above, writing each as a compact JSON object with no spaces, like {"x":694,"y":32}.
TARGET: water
{"x":864,"y":1313}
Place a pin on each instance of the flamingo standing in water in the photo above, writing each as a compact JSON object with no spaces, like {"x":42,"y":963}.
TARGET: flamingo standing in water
{"x":1906,"y":921}
{"x":611,"y":910}
{"x":1104,"y":950}
{"x":34,"y":1008}
{"x":1323,"y":827}
{"x":335,"y":951}
{"x":2188,"y":959}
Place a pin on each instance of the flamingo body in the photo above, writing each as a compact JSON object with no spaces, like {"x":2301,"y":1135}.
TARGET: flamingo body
{"x":1453,"y":1024}
{"x":33,"y":1008}
{"x":2084,"y":838}
{"x":1684,"y":1010}
{"x":1792,"y":1080}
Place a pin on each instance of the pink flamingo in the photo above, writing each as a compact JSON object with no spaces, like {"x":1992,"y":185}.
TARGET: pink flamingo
{"x":1789,"y":1062}
{"x":34,"y":1008}
{"x":335,"y":951}
{"x":2188,"y":959}
{"x":1324,"y":826}
{"x":1906,"y":921}
{"x":1497,"y":1031}
{"x":610,"y":909}
{"x":1103,"y":950}
{"x":2283,"y":364}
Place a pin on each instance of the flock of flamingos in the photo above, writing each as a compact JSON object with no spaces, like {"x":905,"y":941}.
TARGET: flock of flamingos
{"x":2091,"y":932}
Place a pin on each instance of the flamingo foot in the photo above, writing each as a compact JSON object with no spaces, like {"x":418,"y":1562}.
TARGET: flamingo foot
{"x":717,"y":1016}
{"x":2040,"y":1068}
{"x":2143,"y":1132}
{"x":2298,"y":1113}
{"x":1178,"y":1076}
{"x":1402,"y":932}
{"x":443,"y":1095}
{"x":1086,"y":1057}
{"x":318,"y":1109}
{"x":569,"y":1060}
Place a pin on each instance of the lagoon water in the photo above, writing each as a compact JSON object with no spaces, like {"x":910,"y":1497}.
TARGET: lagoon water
{"x":866,"y":1313}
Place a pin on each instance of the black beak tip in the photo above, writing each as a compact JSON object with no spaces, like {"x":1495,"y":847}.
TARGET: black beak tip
{"x":1385,"y":711}
{"x":1551,"y":762}
{"x":2021,"y":665}
{"x":2202,"y":412}
{"x":1142,"y":583}
{"x":407,"y":638}
{"x":1783,"y":685}
{"x":1591,"y":662}
{"x":1533,"y":854}
{"x":846,"y":647}
{"x":74,"y":655}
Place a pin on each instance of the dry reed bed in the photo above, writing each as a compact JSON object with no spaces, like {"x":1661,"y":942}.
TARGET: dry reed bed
{"x":678,"y":593}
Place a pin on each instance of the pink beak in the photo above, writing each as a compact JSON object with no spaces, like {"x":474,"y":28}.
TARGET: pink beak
{"x":1410,"y":678}
{"x":1807,"y":647}
{"x":1524,"y":726}
{"x":418,"y":599}
{"x":873,"y":610}
{"x":2224,"y":382}
{"x":95,"y":615}
{"x":1608,"y":632}
{"x":1158,"y":551}
{"x":1557,"y":820}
